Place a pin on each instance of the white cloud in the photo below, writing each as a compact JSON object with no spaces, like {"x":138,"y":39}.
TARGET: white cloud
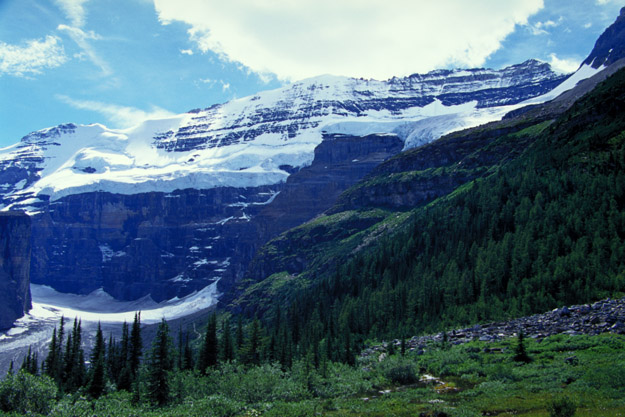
{"x":186,"y":51}
{"x":82,"y":39}
{"x":74,"y":10}
{"x":120,"y":116}
{"x":30,"y":59}
{"x":564,"y":65}
{"x":540,"y":28}
{"x":225,"y":86}
{"x":370,"y":38}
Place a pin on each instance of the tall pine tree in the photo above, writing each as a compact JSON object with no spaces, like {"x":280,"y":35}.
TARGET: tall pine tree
{"x":159,"y":365}
{"x":53,"y":364}
{"x":97,"y":380}
{"x":227,"y":350}
{"x":136,"y":345}
{"x":208,"y":354}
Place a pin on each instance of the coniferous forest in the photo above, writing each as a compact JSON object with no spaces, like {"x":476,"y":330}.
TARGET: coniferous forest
{"x":539,"y":231}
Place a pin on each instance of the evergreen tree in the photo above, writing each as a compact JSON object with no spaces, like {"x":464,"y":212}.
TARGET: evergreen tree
{"x":208,"y":353}
{"x":251,"y":349}
{"x":49,"y":362}
{"x":73,"y":360}
{"x":159,"y":365}
{"x":30,"y":363}
{"x":185,"y":354}
{"x":34,"y":364}
{"x":113,"y":364}
{"x":239,"y":334}
{"x":54,"y":360}
{"x":520,"y":354}
{"x":125,"y":376}
{"x":188,"y":354}
{"x":135,"y":345}
{"x":97,"y":381}
{"x":227,"y":350}
{"x":180,"y":363}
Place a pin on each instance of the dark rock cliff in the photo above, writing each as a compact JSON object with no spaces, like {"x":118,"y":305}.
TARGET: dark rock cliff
{"x":340,"y":161}
{"x":162,"y":244}
{"x":14,"y":267}
{"x":170,"y":244}
{"x":610,"y":47}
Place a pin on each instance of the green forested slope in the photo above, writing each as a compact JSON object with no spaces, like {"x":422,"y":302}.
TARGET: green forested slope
{"x":546,"y":228}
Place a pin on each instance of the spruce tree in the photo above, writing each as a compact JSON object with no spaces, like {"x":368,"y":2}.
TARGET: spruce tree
{"x":97,"y":380}
{"x":53,"y":362}
{"x":113,"y":361}
{"x":48,"y":363}
{"x":73,"y":363}
{"x":34,"y":364}
{"x":159,"y":365}
{"x":135,"y":346}
{"x":520,"y":354}
{"x":227,"y":351}
{"x":239,"y":334}
{"x":125,"y":375}
{"x":208,"y":354}
{"x":188,"y":355}
{"x":180,"y":363}
{"x":251,"y":350}
{"x":29,"y":364}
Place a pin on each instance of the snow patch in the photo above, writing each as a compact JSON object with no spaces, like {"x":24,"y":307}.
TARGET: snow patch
{"x":100,"y":306}
{"x":584,"y":72}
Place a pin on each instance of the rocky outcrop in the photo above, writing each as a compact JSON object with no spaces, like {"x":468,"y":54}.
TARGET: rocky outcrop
{"x":14,"y":267}
{"x":604,"y":316}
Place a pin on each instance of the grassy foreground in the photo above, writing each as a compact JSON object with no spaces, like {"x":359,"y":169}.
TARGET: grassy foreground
{"x":475,"y":379}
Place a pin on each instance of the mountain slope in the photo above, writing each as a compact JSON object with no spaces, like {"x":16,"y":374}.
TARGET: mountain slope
{"x":174,"y":205}
{"x":541,"y":228}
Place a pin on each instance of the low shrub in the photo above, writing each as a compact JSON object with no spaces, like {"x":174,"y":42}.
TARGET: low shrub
{"x":562,"y":407}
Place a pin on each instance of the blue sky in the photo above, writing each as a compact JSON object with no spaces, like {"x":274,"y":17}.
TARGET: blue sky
{"x":117,"y":62}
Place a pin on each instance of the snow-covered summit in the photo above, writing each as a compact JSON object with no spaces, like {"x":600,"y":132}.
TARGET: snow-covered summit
{"x":261,"y":139}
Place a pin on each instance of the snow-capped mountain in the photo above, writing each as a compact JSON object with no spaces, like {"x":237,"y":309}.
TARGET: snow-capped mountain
{"x":174,"y":205}
{"x":258,"y":140}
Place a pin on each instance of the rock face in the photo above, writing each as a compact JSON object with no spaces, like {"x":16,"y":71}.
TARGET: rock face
{"x":14,"y":267}
{"x":170,"y":244}
{"x":163,"y":244}
{"x":340,"y":161}
{"x":610,"y":47}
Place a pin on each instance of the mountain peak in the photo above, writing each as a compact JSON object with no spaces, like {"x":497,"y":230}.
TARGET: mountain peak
{"x":610,"y":47}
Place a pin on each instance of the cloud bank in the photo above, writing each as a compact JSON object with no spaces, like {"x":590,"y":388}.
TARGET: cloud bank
{"x":361,"y":38}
